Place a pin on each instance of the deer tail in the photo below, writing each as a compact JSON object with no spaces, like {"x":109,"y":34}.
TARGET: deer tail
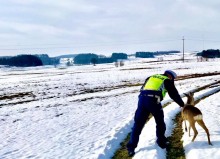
{"x":198,"y":117}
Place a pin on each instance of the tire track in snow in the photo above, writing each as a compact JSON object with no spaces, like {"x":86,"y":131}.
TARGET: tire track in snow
{"x":82,"y":90}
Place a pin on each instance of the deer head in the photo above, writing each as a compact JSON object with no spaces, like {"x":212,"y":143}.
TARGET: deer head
{"x":190,"y":98}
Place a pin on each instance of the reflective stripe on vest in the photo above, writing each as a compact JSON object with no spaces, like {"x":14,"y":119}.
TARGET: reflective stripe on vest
{"x":155,"y":83}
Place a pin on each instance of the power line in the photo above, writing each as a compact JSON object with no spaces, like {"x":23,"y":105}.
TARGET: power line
{"x":207,"y":40}
{"x":85,"y":45}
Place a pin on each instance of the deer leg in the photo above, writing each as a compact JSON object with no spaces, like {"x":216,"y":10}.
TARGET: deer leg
{"x":202,"y":124}
{"x":184,"y":120}
{"x":189,"y":129}
{"x":185,"y":125}
{"x":192,"y":124}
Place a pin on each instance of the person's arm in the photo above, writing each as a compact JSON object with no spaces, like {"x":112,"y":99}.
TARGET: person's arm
{"x":173,"y":93}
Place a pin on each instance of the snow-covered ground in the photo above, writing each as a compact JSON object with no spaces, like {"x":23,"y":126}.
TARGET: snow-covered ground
{"x":199,"y":149}
{"x":84,"y":112}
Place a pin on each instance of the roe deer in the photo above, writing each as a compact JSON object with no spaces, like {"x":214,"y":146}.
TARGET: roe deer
{"x":193,"y":115}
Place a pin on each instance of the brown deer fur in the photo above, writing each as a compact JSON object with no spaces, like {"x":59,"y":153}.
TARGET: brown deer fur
{"x":193,"y":115}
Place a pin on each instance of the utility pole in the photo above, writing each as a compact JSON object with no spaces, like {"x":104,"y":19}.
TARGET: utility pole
{"x":203,"y":42}
{"x":183,"y":48}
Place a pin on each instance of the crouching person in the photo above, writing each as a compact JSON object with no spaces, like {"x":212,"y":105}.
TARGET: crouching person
{"x":151,"y":94}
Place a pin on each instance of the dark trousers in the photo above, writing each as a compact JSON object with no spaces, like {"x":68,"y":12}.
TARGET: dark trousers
{"x":147,"y":105}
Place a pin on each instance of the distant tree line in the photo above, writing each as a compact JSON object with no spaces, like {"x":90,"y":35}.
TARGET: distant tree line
{"x":144,"y":54}
{"x":46,"y":60}
{"x":166,"y":52}
{"x":91,"y":58}
{"x":28,"y":60}
{"x":83,"y":58}
{"x":211,"y":53}
{"x":21,"y":61}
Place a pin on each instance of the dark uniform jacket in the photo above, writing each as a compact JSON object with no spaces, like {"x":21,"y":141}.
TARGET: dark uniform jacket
{"x":171,"y":89}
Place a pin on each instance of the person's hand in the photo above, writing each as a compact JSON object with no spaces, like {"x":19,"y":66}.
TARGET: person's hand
{"x":181,"y":107}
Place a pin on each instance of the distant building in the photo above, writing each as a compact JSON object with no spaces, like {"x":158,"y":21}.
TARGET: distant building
{"x":67,"y":61}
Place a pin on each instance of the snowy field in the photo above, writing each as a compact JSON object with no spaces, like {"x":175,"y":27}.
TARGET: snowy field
{"x":84,"y":112}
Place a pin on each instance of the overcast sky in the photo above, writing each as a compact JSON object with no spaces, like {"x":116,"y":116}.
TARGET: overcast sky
{"x":57,"y":27}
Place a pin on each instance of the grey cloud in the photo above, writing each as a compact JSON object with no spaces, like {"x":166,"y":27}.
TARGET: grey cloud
{"x":83,"y":24}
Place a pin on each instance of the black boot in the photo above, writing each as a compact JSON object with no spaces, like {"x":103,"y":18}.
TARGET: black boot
{"x":163,"y":143}
{"x":130,"y":149}
{"x":131,"y":153}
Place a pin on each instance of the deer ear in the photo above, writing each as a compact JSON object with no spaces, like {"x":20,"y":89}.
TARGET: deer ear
{"x":185,"y":94}
{"x":191,"y":93}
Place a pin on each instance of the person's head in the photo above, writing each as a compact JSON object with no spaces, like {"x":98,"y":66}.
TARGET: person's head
{"x":170,"y":74}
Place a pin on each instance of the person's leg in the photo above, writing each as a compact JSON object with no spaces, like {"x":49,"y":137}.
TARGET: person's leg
{"x":140,"y":118}
{"x":160,"y":125}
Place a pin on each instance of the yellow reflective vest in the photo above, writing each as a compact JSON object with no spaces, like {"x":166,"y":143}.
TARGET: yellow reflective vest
{"x":156,"y":83}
